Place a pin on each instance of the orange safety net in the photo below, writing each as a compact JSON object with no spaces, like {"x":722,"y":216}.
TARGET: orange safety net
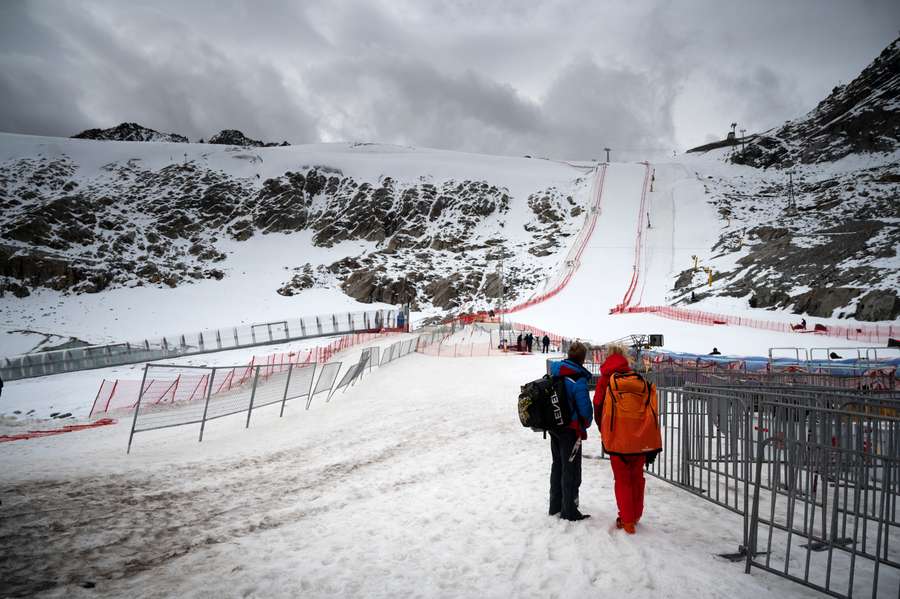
{"x":71,"y":428}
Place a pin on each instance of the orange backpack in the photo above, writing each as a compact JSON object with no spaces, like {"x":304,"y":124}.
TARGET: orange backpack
{"x":629,"y":424}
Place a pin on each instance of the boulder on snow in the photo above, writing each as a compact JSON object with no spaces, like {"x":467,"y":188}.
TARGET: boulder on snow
{"x":878,"y":305}
{"x":823,"y":302}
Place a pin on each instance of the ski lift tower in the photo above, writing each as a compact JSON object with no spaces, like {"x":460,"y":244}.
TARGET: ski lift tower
{"x":791,"y":203}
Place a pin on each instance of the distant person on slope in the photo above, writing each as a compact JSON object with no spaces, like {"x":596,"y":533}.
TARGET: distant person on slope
{"x":715,"y":352}
{"x":519,"y":342}
{"x":546,"y":343}
{"x":617,"y":377}
{"x":529,"y":342}
{"x":565,"y":444}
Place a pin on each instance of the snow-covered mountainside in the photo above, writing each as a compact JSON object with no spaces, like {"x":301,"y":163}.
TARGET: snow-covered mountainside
{"x":423,"y":226}
{"x":810,"y":211}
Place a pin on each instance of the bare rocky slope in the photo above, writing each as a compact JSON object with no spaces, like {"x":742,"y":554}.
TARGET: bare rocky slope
{"x":816,"y":228}
{"x":433,"y":243}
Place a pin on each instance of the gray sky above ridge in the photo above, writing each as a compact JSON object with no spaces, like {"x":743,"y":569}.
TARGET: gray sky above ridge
{"x":559,"y":79}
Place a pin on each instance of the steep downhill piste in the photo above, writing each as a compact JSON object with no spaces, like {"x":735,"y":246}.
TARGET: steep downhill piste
{"x":653,"y":219}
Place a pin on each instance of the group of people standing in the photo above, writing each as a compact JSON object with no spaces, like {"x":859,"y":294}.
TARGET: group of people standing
{"x":526,"y":342}
{"x":565,"y":444}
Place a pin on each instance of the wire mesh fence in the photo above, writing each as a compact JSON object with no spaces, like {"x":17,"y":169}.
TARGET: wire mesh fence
{"x":122,"y":394}
{"x":222,"y":393}
{"x":174,"y":395}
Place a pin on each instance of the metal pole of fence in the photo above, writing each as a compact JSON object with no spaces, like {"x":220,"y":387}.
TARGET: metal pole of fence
{"x":137,"y":409}
{"x":287,"y":385}
{"x":252,"y":396}
{"x":212,"y":376}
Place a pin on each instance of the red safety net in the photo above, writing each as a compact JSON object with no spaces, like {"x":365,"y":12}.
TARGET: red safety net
{"x":123,"y":394}
{"x":56,"y":431}
{"x":438,"y":347}
{"x":868,"y":333}
{"x":638,"y":245}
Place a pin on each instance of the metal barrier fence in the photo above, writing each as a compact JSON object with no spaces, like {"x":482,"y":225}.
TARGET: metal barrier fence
{"x":266,"y":333}
{"x":173,"y":395}
{"x":122,"y":394}
{"x":875,"y":379}
{"x":814,"y":472}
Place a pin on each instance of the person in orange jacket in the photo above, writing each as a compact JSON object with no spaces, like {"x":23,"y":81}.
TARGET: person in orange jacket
{"x":627,"y":470}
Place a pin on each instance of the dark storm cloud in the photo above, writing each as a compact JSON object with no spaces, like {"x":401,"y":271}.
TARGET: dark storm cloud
{"x":561,"y":79}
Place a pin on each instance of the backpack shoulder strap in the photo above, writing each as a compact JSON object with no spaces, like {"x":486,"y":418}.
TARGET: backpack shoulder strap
{"x":572,"y":401}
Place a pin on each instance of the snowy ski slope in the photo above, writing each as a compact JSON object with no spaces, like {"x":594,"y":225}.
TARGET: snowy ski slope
{"x":626,"y":260}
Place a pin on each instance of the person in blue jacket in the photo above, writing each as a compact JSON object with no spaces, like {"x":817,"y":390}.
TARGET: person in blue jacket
{"x":565,"y":444}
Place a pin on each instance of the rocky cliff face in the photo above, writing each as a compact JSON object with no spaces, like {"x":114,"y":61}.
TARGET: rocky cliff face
{"x":432,"y":243}
{"x":833,"y":253}
{"x":130,"y":132}
{"x":861,"y":117}
{"x":233,"y":137}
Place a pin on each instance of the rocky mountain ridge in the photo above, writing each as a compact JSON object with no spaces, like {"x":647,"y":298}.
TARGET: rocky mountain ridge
{"x":130,"y":132}
{"x":135,"y":132}
{"x":858,"y":118}
{"x":817,"y":229}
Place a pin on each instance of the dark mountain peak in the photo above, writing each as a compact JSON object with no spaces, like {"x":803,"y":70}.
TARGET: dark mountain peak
{"x":130,"y":132}
{"x":233,"y":137}
{"x":862,"y":116}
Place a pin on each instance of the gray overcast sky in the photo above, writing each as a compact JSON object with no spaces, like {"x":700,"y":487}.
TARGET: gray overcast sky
{"x":560,"y":79}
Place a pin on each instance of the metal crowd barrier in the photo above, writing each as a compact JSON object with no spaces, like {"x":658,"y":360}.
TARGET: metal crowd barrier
{"x":171,"y":346}
{"x":221,"y":393}
{"x":814,"y":473}
{"x":185,"y":395}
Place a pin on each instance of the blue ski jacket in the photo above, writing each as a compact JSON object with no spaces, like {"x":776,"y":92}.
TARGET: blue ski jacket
{"x":577,"y":378}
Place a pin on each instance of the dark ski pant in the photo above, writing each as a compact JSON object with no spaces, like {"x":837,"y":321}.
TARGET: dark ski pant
{"x":565,"y":476}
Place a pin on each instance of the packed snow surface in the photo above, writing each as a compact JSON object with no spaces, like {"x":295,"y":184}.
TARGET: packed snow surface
{"x":404,"y":486}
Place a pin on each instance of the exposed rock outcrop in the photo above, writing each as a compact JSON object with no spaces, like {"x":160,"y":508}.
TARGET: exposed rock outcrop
{"x":233,"y":137}
{"x":130,"y":132}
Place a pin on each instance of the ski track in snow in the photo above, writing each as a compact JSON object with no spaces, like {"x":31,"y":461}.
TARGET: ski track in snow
{"x":399,"y":487}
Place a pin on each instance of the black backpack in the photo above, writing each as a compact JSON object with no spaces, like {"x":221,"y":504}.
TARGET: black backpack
{"x":544,"y":405}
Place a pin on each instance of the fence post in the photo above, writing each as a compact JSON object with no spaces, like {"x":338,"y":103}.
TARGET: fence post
{"x":287,"y":385}
{"x":252,"y":396}
{"x":212,"y":376}
{"x":137,"y":409}
{"x":113,"y":392}
{"x":96,"y":397}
